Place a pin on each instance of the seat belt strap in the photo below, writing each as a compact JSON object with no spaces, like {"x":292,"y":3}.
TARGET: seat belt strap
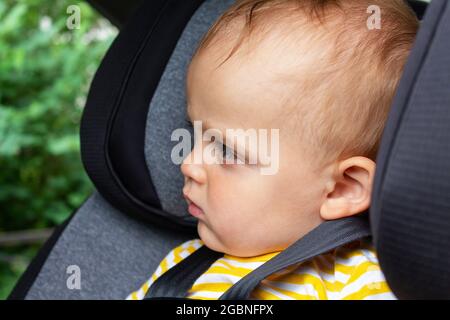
{"x":327,"y":236}
{"x":176,"y":282}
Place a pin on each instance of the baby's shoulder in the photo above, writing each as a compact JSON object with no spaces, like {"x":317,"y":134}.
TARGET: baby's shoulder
{"x":346,"y":261}
{"x":348,"y":272}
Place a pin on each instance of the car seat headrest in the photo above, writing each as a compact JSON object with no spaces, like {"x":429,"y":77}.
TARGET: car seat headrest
{"x":410,"y":212}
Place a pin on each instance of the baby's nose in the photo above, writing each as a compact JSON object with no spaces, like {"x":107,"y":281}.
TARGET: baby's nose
{"x":193,"y":170}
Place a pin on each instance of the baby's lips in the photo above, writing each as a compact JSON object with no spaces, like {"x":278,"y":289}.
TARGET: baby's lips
{"x":188,"y":200}
{"x":195,"y":210}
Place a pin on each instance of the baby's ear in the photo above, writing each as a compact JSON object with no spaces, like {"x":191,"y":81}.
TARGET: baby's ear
{"x":349,"y":191}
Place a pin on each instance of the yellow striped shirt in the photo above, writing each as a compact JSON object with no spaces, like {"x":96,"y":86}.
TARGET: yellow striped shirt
{"x":350,"y":272}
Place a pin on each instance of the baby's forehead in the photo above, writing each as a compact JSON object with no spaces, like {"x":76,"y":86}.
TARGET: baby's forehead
{"x":239,"y":85}
{"x":280,"y":46}
{"x":264,"y":74}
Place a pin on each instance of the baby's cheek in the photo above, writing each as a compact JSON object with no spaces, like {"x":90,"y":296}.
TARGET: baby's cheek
{"x":236,"y":205}
{"x":244,"y":240}
{"x":230,"y":225}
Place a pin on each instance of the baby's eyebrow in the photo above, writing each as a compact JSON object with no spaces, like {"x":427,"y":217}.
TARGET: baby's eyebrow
{"x":205,"y":123}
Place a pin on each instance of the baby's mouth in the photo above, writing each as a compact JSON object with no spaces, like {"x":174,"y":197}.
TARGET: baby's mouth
{"x":193,"y":209}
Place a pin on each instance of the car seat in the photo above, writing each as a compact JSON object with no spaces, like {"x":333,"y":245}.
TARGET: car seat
{"x":137,"y":213}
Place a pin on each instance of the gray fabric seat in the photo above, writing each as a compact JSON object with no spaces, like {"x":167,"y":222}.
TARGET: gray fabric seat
{"x":115,"y":254}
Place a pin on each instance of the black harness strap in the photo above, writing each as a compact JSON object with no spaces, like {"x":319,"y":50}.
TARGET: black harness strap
{"x":176,"y":282}
{"x":327,"y":236}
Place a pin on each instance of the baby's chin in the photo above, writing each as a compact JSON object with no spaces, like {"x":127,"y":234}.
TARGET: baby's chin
{"x":210,"y":240}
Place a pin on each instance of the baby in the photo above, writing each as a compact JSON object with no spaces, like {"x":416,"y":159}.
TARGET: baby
{"x":325,"y":75}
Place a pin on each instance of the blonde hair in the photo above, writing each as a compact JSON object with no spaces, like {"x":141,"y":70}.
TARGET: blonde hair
{"x":350,"y":94}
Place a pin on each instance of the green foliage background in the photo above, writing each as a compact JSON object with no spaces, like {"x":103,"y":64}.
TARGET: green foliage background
{"x":45,"y":72}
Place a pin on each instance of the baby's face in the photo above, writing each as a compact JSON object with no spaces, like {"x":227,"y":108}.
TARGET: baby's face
{"x":244,"y":212}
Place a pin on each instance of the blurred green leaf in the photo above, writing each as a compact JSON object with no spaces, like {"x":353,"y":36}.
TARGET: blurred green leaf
{"x":45,"y":72}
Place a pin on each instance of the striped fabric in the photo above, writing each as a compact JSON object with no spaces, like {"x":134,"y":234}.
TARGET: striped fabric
{"x":350,"y":272}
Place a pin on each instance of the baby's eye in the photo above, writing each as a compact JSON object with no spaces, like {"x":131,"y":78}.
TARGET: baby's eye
{"x":188,"y":123}
{"x":229,"y":153}
{"x":226,"y":154}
